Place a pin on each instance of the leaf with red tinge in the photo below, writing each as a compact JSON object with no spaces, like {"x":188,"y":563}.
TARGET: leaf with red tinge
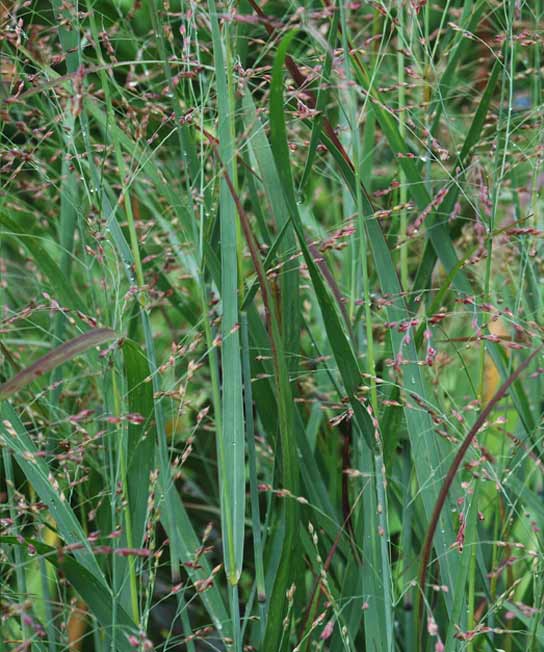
{"x":61,"y":354}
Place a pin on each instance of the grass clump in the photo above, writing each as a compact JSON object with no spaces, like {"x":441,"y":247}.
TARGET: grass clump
{"x":271,"y":326}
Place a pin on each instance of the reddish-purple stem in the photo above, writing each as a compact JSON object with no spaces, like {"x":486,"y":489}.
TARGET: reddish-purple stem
{"x":501,"y":392}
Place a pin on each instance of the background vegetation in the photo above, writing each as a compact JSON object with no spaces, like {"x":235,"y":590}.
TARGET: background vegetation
{"x":272,"y":311}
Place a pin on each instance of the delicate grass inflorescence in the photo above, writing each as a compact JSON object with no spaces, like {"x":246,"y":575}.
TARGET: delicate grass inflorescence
{"x":272,"y":327}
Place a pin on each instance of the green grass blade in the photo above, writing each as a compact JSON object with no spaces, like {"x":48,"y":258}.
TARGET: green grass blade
{"x":230,"y":440}
{"x":141,"y":436}
{"x":254,"y":495}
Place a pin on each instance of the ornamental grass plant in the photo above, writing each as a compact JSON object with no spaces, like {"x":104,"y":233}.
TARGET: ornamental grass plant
{"x":271,"y":326}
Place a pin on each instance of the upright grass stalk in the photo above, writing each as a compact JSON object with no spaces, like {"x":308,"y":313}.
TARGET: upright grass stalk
{"x":272,"y":638}
{"x":230,"y":440}
{"x":17,"y":553}
{"x":362,"y":254}
{"x":403,"y":193}
{"x":254,"y":496}
{"x":377,"y":553}
{"x":503,"y":144}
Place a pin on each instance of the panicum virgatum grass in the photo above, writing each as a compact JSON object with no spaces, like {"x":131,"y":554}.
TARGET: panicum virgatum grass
{"x":271,"y":326}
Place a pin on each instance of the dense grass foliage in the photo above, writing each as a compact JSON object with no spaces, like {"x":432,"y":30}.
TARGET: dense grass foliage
{"x":272,"y":314}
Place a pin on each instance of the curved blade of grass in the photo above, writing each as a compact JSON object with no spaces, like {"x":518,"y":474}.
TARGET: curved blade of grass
{"x":438,"y":234}
{"x":428,"y":452}
{"x":183,"y":541}
{"x":344,"y":354}
{"x":290,"y":309}
{"x":174,"y":517}
{"x":389,"y":417}
{"x":59,"y":355}
{"x":452,"y":472}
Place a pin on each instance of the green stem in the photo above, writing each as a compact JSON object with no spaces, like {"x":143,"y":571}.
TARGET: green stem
{"x":403,"y":190}
{"x":126,"y":506}
{"x":361,"y":230}
{"x":17,"y":553}
{"x":503,"y":143}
